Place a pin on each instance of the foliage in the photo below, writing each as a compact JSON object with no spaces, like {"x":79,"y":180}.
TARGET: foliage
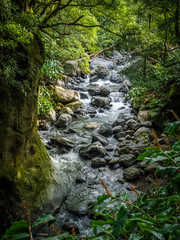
{"x":45,"y":103}
{"x":51,"y":70}
{"x":149,"y":217}
{"x":19,"y":229}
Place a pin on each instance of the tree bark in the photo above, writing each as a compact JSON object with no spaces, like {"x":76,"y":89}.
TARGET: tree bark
{"x":177,"y":31}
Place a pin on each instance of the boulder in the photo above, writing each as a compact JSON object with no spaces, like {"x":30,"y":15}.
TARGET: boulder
{"x":142,"y":130}
{"x":91,"y":125}
{"x":131,"y":173}
{"x":100,"y":101}
{"x":126,"y":160}
{"x":97,"y":137}
{"x":125,"y":150}
{"x":66,"y":110}
{"x":74,"y":105}
{"x":143,"y":115}
{"x":94,"y":91}
{"x":101,"y":62}
{"x":106,"y":130}
{"x":63,"y":120}
{"x":71,"y":68}
{"x":133,"y":125}
{"x":117,"y":129}
{"x":64,"y":95}
{"x":62,"y":141}
{"x":98,"y":162}
{"x":100,"y":71}
{"x":93,"y":150}
{"x":52,"y":116}
{"x":104,"y":91}
{"x":151,"y":168}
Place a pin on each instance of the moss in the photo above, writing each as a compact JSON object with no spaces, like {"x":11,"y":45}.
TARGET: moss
{"x":74,"y":105}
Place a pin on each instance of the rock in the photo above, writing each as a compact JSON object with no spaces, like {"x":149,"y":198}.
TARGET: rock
{"x":93,"y":150}
{"x":62,"y":141}
{"x":151,"y":168}
{"x":143,"y":140}
{"x":52,"y":116}
{"x":125,"y":150}
{"x":121,"y":180}
{"x":80,"y":180}
{"x":106,"y":130}
{"x":91,"y":125}
{"x":100,"y":71}
{"x":68,"y":226}
{"x":129,"y":132}
{"x":101,"y":62}
{"x":147,"y":124}
{"x":113,"y":162}
{"x":93,"y":78}
{"x":98,"y":162}
{"x":43,"y":125}
{"x":144,"y":130}
{"x":100,"y":101}
{"x":143,"y":115}
{"x":127,"y":84}
{"x":97,"y":137}
{"x":132,"y":124}
{"x":119,"y":121}
{"x":64,"y":95}
{"x":131,"y":173}
{"x":83,"y":95}
{"x":66,"y":110}
{"x":94,"y":91}
{"x":71,"y":68}
{"x":63,"y":120}
{"x":126,"y":160}
{"x":104,"y":91}
{"x":115,"y":77}
{"x":117,"y":129}
{"x":74,"y":105}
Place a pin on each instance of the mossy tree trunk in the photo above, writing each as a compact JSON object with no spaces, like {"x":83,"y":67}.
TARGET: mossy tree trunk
{"x":25,"y":166}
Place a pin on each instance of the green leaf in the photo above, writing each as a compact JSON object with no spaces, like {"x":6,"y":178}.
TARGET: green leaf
{"x":15,"y":236}
{"x":17,"y":227}
{"x":99,"y":223}
{"x":122,"y":216}
{"x":44,"y":218}
{"x":102,"y":198}
{"x":144,"y":227}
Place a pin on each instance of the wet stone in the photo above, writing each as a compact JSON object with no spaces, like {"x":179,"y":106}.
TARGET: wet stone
{"x":100,"y":138}
{"x":98,"y":162}
{"x":131,"y":173}
{"x":106,"y":130}
{"x":126,"y":160}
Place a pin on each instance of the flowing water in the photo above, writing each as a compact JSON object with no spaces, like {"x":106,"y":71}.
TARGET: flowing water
{"x":71,"y":167}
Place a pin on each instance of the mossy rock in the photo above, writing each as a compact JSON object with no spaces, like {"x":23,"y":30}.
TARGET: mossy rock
{"x":74,"y":105}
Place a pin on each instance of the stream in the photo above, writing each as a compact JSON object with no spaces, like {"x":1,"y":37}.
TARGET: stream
{"x":82,"y":180}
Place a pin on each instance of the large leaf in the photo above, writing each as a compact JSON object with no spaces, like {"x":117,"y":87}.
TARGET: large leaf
{"x":44,"y":218}
{"x":15,"y":236}
{"x":122,"y":216}
{"x":135,"y":236}
{"x":17,"y":227}
{"x":144,"y":227}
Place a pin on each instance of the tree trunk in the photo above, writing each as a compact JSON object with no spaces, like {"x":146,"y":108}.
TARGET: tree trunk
{"x":177,"y":31}
{"x":25,"y":166}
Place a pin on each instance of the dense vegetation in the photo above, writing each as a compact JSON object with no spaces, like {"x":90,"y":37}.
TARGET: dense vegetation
{"x":38,"y":36}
